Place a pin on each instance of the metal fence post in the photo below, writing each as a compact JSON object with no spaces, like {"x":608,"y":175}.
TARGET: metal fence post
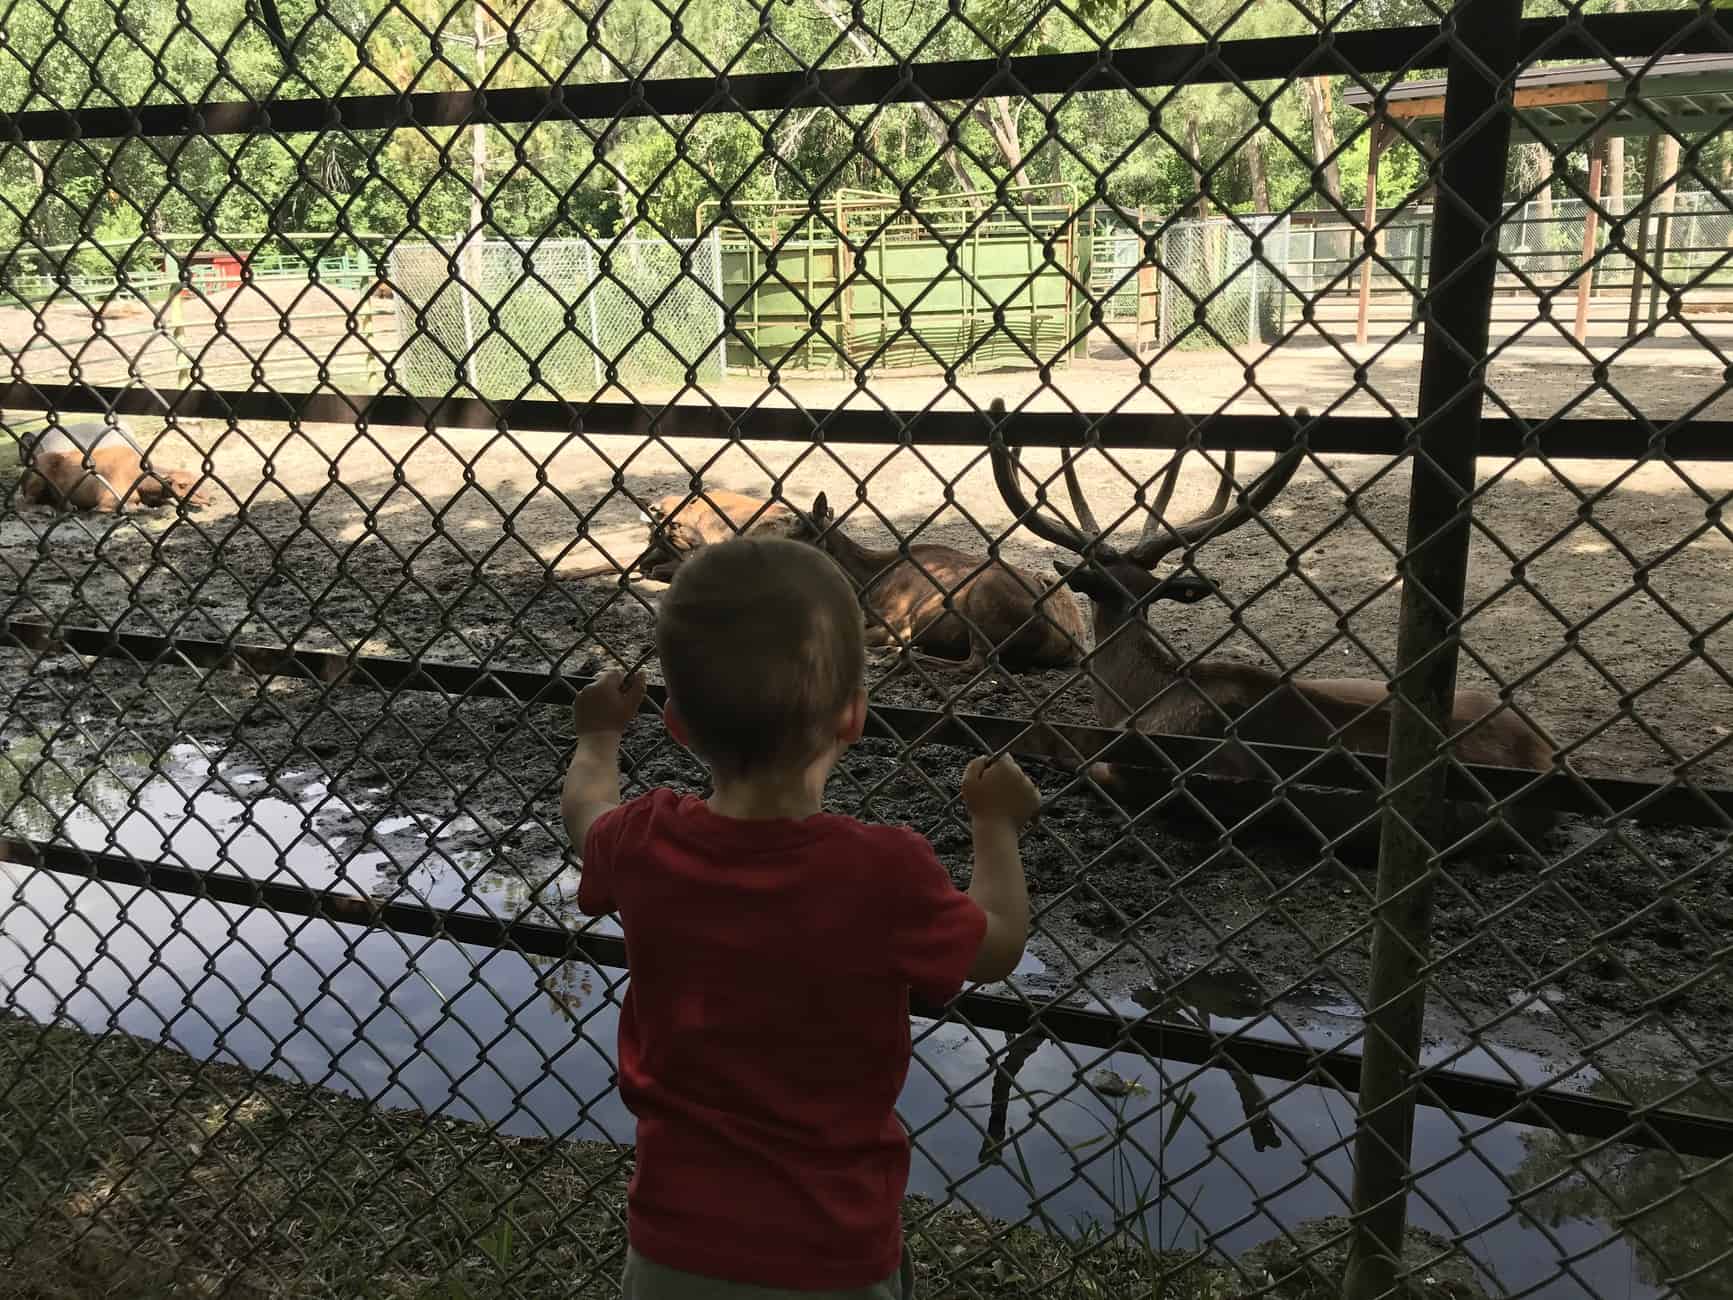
{"x":1476,"y":140}
{"x":721,"y":305}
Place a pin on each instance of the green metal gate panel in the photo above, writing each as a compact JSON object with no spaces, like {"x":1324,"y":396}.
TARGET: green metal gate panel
{"x":996,"y":297}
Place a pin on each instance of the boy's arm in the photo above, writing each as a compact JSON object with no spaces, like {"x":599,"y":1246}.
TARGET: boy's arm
{"x":1000,"y":799}
{"x":592,"y":784}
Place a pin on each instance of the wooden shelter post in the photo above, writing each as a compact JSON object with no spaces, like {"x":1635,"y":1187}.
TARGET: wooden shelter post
{"x":1381,"y":133}
{"x":1648,"y":194}
{"x":1591,"y":225}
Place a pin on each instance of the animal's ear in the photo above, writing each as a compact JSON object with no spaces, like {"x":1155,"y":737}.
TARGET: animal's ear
{"x":1187,"y":589}
{"x":821,"y":509}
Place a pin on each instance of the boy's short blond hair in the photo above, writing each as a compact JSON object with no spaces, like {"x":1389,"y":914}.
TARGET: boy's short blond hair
{"x":762,"y":645}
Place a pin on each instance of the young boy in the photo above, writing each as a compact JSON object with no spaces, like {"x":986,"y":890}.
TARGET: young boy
{"x":764,"y":1036}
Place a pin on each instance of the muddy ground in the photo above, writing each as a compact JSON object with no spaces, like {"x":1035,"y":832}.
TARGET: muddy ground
{"x":458,"y":545}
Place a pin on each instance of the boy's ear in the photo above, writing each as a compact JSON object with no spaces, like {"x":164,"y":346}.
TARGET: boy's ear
{"x":854,"y":718}
{"x":676,"y":725}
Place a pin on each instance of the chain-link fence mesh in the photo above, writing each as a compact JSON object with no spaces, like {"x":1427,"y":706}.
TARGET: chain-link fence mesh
{"x":369,"y":365}
{"x":557,"y":318}
{"x":1216,"y":291}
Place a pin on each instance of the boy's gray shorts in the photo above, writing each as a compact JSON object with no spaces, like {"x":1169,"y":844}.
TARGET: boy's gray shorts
{"x":647,"y":1280}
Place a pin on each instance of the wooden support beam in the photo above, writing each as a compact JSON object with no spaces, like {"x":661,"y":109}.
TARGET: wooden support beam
{"x":1648,"y":193}
{"x":1381,"y":133}
{"x":1591,"y":224}
{"x":1593,"y":92}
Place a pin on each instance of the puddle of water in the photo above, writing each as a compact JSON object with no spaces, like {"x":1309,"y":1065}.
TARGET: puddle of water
{"x":528,"y":1045}
{"x":187,"y":807}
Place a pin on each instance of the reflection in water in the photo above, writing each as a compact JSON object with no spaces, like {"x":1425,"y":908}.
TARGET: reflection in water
{"x":527,"y":1044}
{"x":1678,"y":1209}
{"x":569,"y":986}
{"x":1218,"y":993}
{"x":1191,"y":999}
{"x":38,"y":788}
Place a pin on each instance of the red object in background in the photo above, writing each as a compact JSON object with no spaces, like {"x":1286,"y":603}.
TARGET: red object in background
{"x":225,"y":267}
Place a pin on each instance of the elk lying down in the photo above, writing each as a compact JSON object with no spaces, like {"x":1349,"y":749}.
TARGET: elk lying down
{"x":96,"y":467}
{"x":681,"y":522}
{"x":953,"y":608}
{"x":1139,"y":684}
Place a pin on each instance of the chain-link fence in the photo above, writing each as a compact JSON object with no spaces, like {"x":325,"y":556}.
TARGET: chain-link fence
{"x":558,"y":318}
{"x":1379,"y":707}
{"x":1215,"y":290}
{"x":1542,"y":244}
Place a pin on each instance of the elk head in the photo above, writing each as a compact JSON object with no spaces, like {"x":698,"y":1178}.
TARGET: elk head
{"x":816,"y":527}
{"x":174,"y":484}
{"x":1123,"y":584}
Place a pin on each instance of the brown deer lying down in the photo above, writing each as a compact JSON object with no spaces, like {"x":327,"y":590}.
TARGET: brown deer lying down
{"x":1139,"y":684}
{"x":994,"y":606}
{"x":94,"y":467}
{"x":681,"y":522}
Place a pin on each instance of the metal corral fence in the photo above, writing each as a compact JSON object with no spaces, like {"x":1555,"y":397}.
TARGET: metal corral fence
{"x":1020,"y":284}
{"x":866,"y":281}
{"x":1541,"y":246}
{"x":1380,"y":939}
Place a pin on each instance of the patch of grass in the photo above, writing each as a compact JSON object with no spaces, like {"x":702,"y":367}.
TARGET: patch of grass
{"x":134,"y":1171}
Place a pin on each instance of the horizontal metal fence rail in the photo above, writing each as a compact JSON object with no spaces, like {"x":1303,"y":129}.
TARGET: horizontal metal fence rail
{"x":1571,"y":437}
{"x":1664,"y":803}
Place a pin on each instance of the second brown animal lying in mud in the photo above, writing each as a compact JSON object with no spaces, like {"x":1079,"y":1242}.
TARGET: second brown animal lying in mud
{"x":90,"y":467}
{"x":681,"y":522}
{"x":953,"y":605}
{"x":993,"y":606}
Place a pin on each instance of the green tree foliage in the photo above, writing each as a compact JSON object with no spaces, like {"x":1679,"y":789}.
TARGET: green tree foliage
{"x":1676,"y":1210}
{"x":1133,"y":150}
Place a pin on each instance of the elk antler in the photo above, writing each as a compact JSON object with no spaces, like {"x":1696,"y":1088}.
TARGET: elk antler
{"x":1161,"y":538}
{"x":1006,"y":467}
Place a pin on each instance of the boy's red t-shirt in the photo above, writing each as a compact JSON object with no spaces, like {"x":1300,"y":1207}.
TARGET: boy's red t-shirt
{"x":764,"y":1036}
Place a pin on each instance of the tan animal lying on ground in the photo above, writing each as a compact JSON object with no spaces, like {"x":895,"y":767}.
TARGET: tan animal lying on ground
{"x":681,"y":522}
{"x":955,"y":609}
{"x":93,"y":466}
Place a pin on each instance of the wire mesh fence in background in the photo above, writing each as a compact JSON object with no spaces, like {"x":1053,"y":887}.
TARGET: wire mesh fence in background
{"x":1376,"y":688}
{"x":1216,"y":291}
{"x":557,"y":318}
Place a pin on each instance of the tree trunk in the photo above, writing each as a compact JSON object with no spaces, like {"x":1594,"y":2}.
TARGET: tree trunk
{"x":1201,"y":208}
{"x":940,"y":129}
{"x":995,"y":114}
{"x":1666,"y":182}
{"x":1542,"y":161}
{"x":1316,"y":91}
{"x":472,"y":266}
{"x":1260,"y":176}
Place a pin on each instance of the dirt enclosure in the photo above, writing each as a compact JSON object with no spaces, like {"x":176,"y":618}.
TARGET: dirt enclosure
{"x":457,"y":545}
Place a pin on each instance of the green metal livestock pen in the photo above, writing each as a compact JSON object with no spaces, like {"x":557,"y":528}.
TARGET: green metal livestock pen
{"x":967,"y":281}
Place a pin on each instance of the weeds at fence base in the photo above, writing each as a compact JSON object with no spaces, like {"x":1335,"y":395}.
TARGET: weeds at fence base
{"x":134,"y":1171}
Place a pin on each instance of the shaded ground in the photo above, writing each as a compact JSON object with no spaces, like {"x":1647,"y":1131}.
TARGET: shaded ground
{"x":134,"y":1171}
